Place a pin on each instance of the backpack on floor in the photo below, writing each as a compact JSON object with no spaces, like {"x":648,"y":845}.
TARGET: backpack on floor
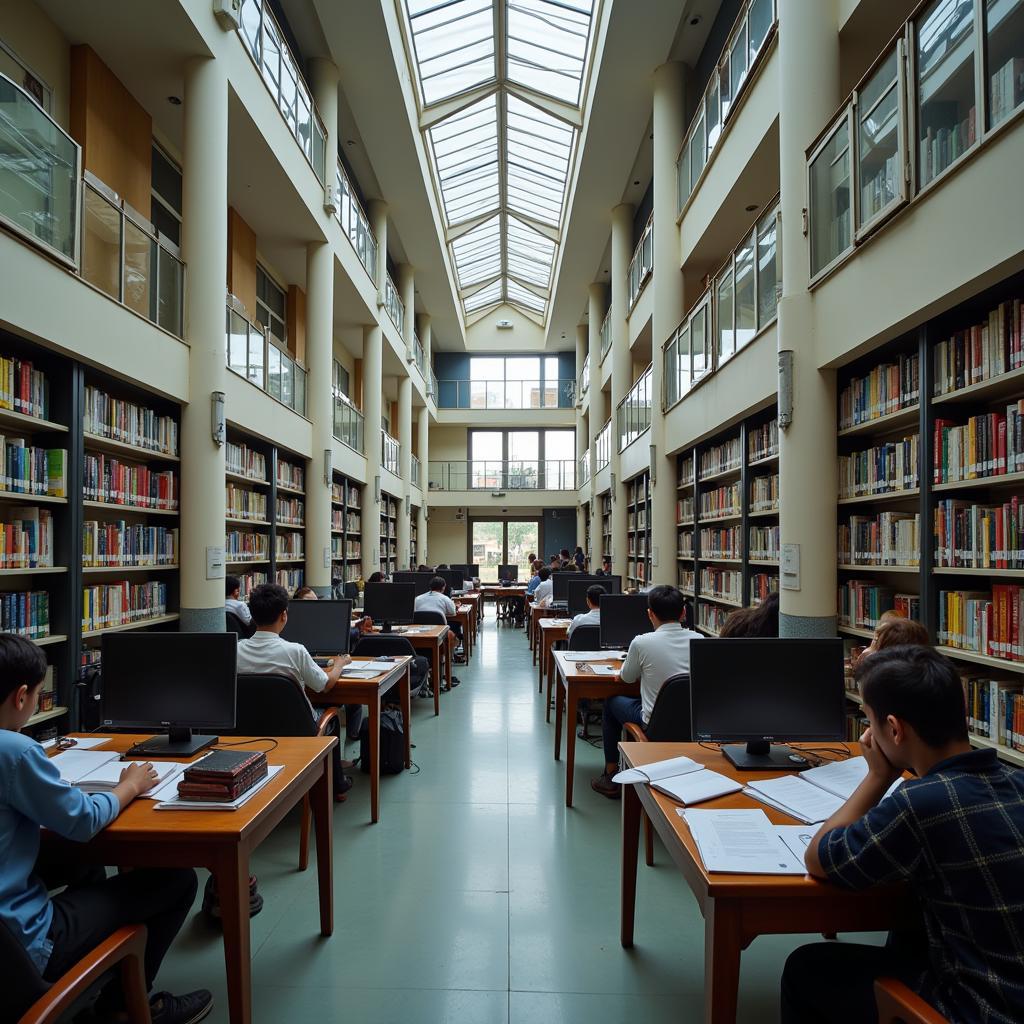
{"x":392,"y":743}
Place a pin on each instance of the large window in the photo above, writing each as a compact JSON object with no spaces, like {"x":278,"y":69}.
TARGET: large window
{"x":271,"y":304}
{"x":511,"y":382}
{"x":166,"y":196}
{"x":522,"y":459}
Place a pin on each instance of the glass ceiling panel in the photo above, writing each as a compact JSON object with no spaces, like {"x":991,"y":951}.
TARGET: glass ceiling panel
{"x":477,"y":253}
{"x":524,"y":297}
{"x":530,"y":254}
{"x":547,"y":45}
{"x":538,"y":147}
{"x":453,"y":44}
{"x":489,"y":295}
{"x":465,"y":149}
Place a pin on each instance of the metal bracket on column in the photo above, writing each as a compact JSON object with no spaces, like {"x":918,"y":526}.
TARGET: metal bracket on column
{"x":331,"y":199}
{"x":785,"y":388}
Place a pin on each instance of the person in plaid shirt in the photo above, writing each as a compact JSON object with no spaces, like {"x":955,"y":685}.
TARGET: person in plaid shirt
{"x":955,"y":834}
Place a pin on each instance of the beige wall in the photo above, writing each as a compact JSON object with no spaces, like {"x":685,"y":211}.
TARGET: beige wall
{"x":448,"y":443}
{"x":446,"y":536}
{"x":525,"y":335}
{"x":39,"y":45}
{"x":242,"y":262}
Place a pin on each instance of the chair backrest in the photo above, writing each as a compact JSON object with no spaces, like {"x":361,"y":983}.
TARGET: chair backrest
{"x":23,"y":984}
{"x":670,"y":716}
{"x":271,"y":705}
{"x":234,"y":624}
{"x":429,"y":617}
{"x":585,"y":638}
{"x":387,"y":646}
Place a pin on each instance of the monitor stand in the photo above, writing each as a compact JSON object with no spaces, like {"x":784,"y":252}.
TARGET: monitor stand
{"x":762,"y":756}
{"x":385,"y":627}
{"x":178,"y":743}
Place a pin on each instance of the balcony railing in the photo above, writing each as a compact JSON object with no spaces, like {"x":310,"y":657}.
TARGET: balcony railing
{"x":394,"y":305}
{"x":432,"y":390}
{"x":390,"y":453}
{"x":641,"y":266}
{"x":584,"y":470}
{"x":506,"y":394}
{"x":39,"y":172}
{"x":252,"y":355}
{"x":348,"y":424}
{"x":263,"y":38}
{"x":123,"y":257}
{"x":414,"y":470}
{"x":633,"y":416}
{"x":606,"y":334}
{"x":584,"y":382}
{"x":420,"y":355}
{"x":503,"y":475}
{"x":603,"y":447}
{"x":355,"y":223}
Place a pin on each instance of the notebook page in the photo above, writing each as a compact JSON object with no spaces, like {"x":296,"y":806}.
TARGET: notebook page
{"x":659,"y":770}
{"x":740,"y":842}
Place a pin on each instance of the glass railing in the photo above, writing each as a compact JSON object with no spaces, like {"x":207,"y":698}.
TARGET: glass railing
{"x":414,"y":470}
{"x":606,"y":334}
{"x":728,"y":80}
{"x":394,"y":305}
{"x":633,"y":416}
{"x":584,"y":383}
{"x":420,"y":355}
{"x":506,"y":394}
{"x":584,"y":470}
{"x":348,"y":424}
{"x":390,"y":453}
{"x":123,"y":257}
{"x":432,"y":385}
{"x":603,"y":447}
{"x":39,"y":170}
{"x":252,"y":355}
{"x":355,"y":224}
{"x":503,"y":475}
{"x":642,"y":264}
{"x":263,"y":38}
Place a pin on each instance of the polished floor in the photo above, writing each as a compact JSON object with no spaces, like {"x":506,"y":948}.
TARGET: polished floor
{"x":479,"y":897}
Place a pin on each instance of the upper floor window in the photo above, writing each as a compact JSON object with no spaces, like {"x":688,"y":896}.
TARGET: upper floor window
{"x":166,"y":196}
{"x":271,"y":306}
{"x":340,"y":380}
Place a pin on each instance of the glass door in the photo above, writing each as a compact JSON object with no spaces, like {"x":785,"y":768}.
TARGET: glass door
{"x":503,"y":542}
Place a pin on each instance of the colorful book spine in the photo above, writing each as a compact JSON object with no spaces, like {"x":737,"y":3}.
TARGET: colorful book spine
{"x":726,"y":584}
{"x":26,"y":613}
{"x":23,"y":388}
{"x":987,"y":623}
{"x":125,"y":544}
{"x":862,"y":603}
{"x":721,"y":542}
{"x":721,"y":458}
{"x":290,"y":475}
{"x":764,"y":493}
{"x":988,"y":445}
{"x":243,"y":461}
{"x":246,"y":546}
{"x":242,"y":503}
{"x":26,"y":539}
{"x":886,"y":389}
{"x":888,"y":538}
{"x":291,"y":511}
{"x":764,"y":543}
{"x":711,"y":617}
{"x":886,"y":468}
{"x":289,"y":545}
{"x":761,"y":585}
{"x":108,"y":479}
{"x":971,"y":536}
{"x":981,"y":351}
{"x":290,"y":579}
{"x":29,"y":470}
{"x":122,"y":603}
{"x":721,"y":502}
{"x":123,"y":421}
{"x":763,"y":441}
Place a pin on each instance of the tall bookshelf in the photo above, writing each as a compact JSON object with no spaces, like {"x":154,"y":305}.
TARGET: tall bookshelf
{"x":289,"y":520}
{"x":606,"y":524}
{"x":346,"y":529}
{"x":931,"y":519}
{"x":388,"y":534}
{"x":638,"y":530}
{"x":414,"y":536}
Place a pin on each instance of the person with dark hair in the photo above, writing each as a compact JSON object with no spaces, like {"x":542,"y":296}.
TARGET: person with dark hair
{"x":376,"y":577}
{"x":542,"y":592}
{"x":592,"y":616}
{"x":534,"y":583}
{"x":894,"y":630}
{"x":233,"y":599}
{"x":58,"y":931}
{"x":761,"y":620}
{"x":579,"y":558}
{"x":436,"y":600}
{"x":443,"y":567}
{"x":305,"y":594}
{"x":652,"y":658}
{"x":953,"y":833}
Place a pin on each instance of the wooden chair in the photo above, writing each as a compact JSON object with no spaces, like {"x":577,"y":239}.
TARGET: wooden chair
{"x":30,"y":999}
{"x":897,"y":1004}
{"x":277,"y":706}
{"x":670,"y":723}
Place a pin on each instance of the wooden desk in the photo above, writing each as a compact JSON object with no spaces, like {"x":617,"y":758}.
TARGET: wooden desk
{"x":738,"y":908}
{"x":369,"y":692}
{"x":223,"y":841}
{"x":496,"y":591}
{"x":474,"y":599}
{"x":464,"y":615}
{"x":551,"y":630}
{"x":432,"y":641}
{"x":533,"y":618}
{"x":575,"y":684}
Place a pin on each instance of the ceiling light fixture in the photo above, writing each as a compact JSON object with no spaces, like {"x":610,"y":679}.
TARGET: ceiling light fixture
{"x":751,"y":208}
{"x":695,"y":20}
{"x":175,"y":101}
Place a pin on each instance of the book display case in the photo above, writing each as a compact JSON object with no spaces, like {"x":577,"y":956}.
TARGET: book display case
{"x":414,"y":535}
{"x":388,"y":533}
{"x":638,"y":531}
{"x":931,"y":505}
{"x":346,"y":526}
{"x":606,"y":524}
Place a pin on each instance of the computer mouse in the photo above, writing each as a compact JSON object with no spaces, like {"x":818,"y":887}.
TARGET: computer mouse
{"x":798,"y":759}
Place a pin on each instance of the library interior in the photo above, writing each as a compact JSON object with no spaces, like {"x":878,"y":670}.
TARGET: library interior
{"x":626,"y":394}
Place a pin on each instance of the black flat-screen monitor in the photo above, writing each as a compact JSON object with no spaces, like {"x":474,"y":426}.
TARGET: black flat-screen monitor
{"x":469,"y":571}
{"x":420,"y":580}
{"x":508,"y":572}
{"x":754,"y":693}
{"x":561,"y":581}
{"x":453,"y":579}
{"x":322,"y":627}
{"x":623,"y":616}
{"x":389,"y":603}
{"x":169,"y":681}
{"x":578,"y":591}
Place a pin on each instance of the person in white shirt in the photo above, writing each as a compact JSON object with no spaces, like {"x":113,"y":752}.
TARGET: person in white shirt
{"x":542,"y":594}
{"x":232,"y":600}
{"x":652,"y":659}
{"x":436,"y":600}
{"x":591,"y":617}
{"x":266,"y":653}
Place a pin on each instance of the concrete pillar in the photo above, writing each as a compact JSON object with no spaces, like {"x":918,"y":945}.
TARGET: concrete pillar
{"x":205,"y":250}
{"x":378,"y":213}
{"x":373,"y":362}
{"x":582,"y":430}
{"x":423,"y":427}
{"x":808,"y":96}
{"x":324,"y":78}
{"x":407,"y":290}
{"x":596,"y":309}
{"x":669,"y":127}
{"x":405,"y":465}
{"x":423,"y":323}
{"x":622,"y":369}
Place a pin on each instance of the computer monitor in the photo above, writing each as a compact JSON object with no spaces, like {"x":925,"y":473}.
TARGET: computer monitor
{"x":453,"y":579}
{"x":753,"y":693}
{"x":560,"y":582}
{"x":420,"y":580}
{"x":469,"y":571}
{"x":389,"y":603}
{"x":623,"y":616}
{"x":169,"y":681}
{"x":578,"y":591}
{"x":322,"y":627}
{"x":508,"y":572}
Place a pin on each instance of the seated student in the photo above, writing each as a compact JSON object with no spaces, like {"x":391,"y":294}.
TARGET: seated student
{"x":265,"y":653}
{"x":376,"y":577}
{"x":893,"y":630}
{"x":233,"y":601}
{"x":606,"y":567}
{"x":579,"y":558}
{"x":436,"y":600}
{"x":652,"y":658}
{"x":591,"y":617}
{"x":305,"y":594}
{"x":57,"y":932}
{"x":542,"y":592}
{"x":953,"y":833}
{"x":535,"y":567}
{"x":757,"y":621}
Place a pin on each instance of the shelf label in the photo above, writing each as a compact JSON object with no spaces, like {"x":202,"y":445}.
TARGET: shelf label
{"x":327,"y":557}
{"x":214,"y":562}
{"x":790,"y":567}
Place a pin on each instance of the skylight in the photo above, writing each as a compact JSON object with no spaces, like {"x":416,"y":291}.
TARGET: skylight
{"x":499,"y":88}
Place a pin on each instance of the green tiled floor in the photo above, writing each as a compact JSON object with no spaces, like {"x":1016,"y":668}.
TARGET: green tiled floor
{"x":478,"y":898}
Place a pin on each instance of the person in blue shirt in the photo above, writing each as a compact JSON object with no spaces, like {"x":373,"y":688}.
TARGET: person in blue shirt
{"x":954,"y":834}
{"x":58,"y":931}
{"x":535,"y":578}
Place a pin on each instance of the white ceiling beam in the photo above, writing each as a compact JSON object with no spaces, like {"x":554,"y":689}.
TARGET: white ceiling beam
{"x":431,"y":115}
{"x":550,"y":233}
{"x":556,"y":108}
{"x":541,"y":293}
{"x":456,"y":231}
{"x":479,"y":286}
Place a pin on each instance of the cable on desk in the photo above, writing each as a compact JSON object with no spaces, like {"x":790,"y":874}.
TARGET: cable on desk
{"x":246,"y":743}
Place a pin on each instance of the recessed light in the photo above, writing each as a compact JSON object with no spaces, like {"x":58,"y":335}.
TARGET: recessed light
{"x":175,"y":101}
{"x":350,"y":142}
{"x":637,"y":182}
{"x":751,"y":208}
{"x":695,"y":20}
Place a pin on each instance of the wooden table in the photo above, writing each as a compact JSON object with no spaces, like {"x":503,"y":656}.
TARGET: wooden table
{"x":474,"y":599}
{"x":534,"y":617}
{"x":433,"y":642}
{"x":496,"y":591}
{"x":464,"y":614}
{"x":575,"y":684}
{"x":551,"y":630}
{"x":738,"y":908}
{"x":369,"y":692}
{"x":223,"y":841}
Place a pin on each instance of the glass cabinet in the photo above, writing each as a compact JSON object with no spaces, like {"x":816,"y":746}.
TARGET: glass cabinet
{"x":828,"y":193}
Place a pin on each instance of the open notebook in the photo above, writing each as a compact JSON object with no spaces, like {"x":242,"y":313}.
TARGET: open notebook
{"x":682,"y":779}
{"x":99,"y":771}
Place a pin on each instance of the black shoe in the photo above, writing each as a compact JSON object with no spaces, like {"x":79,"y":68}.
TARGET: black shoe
{"x":211,"y":903}
{"x":187,"y":1009}
{"x":456,"y":681}
{"x":340,"y":791}
{"x":603,"y":784}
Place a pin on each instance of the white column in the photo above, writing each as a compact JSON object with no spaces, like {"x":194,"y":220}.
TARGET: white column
{"x":426,"y":340}
{"x":407,"y":290}
{"x":373,"y":355}
{"x":582,"y":431}
{"x":423,"y":427}
{"x":324,"y":77}
{"x":205,"y":249}
{"x":669,"y":126}
{"x":622,"y":369}
{"x":405,"y":465}
{"x":378,"y":213}
{"x":596,"y":308}
{"x":808,"y":96}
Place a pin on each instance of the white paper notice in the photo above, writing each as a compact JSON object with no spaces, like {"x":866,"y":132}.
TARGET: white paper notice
{"x":740,"y":842}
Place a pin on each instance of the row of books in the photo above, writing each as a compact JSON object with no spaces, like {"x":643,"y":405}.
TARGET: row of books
{"x":337,"y":519}
{"x":761,"y":585}
{"x":637,"y":519}
{"x":246,"y":546}
{"x":26,"y":539}
{"x":684,"y":510}
{"x":764,"y":543}
{"x":764,"y":493}
{"x":127,"y":544}
{"x":888,"y":388}
{"x":290,"y":579}
{"x":888,"y":538}
{"x":243,"y":503}
{"x":991,"y":444}
{"x":290,"y":475}
{"x":25,"y":612}
{"x":244,"y":461}
{"x":23,"y":388}
{"x":861,"y":603}
{"x":985,"y":623}
{"x":684,"y":544}
{"x":723,"y":583}
{"x":108,"y":479}
{"x":1006,"y":89}
{"x":122,"y":603}
{"x":981,"y":351}
{"x":972,"y":536}
{"x":249,"y":580}
{"x":720,"y":502}
{"x":855,"y":724}
{"x":685,"y":474}
{"x":25,"y":469}
{"x":129,"y":423}
{"x":763,"y":441}
{"x":881,"y":469}
{"x":289,"y":545}
{"x":687,"y":581}
{"x":941,"y":146}
{"x":883,"y":187}
{"x":995,"y":710}
{"x":721,"y":458}
{"x":711,"y":617}
{"x":291,"y":511}
{"x":338,"y":492}
{"x":721,"y":542}
{"x":348,"y":549}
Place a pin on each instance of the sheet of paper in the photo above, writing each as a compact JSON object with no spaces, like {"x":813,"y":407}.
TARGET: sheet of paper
{"x":177,"y":804}
{"x":796,"y":797}
{"x":696,"y":787}
{"x":359,"y":673}
{"x":796,"y":837}
{"x":840,"y":778}
{"x":605,"y":670}
{"x":75,"y":764}
{"x":376,"y":666}
{"x":591,"y":655}
{"x":740,"y":842}
{"x":659,"y":770}
{"x":81,"y":742}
